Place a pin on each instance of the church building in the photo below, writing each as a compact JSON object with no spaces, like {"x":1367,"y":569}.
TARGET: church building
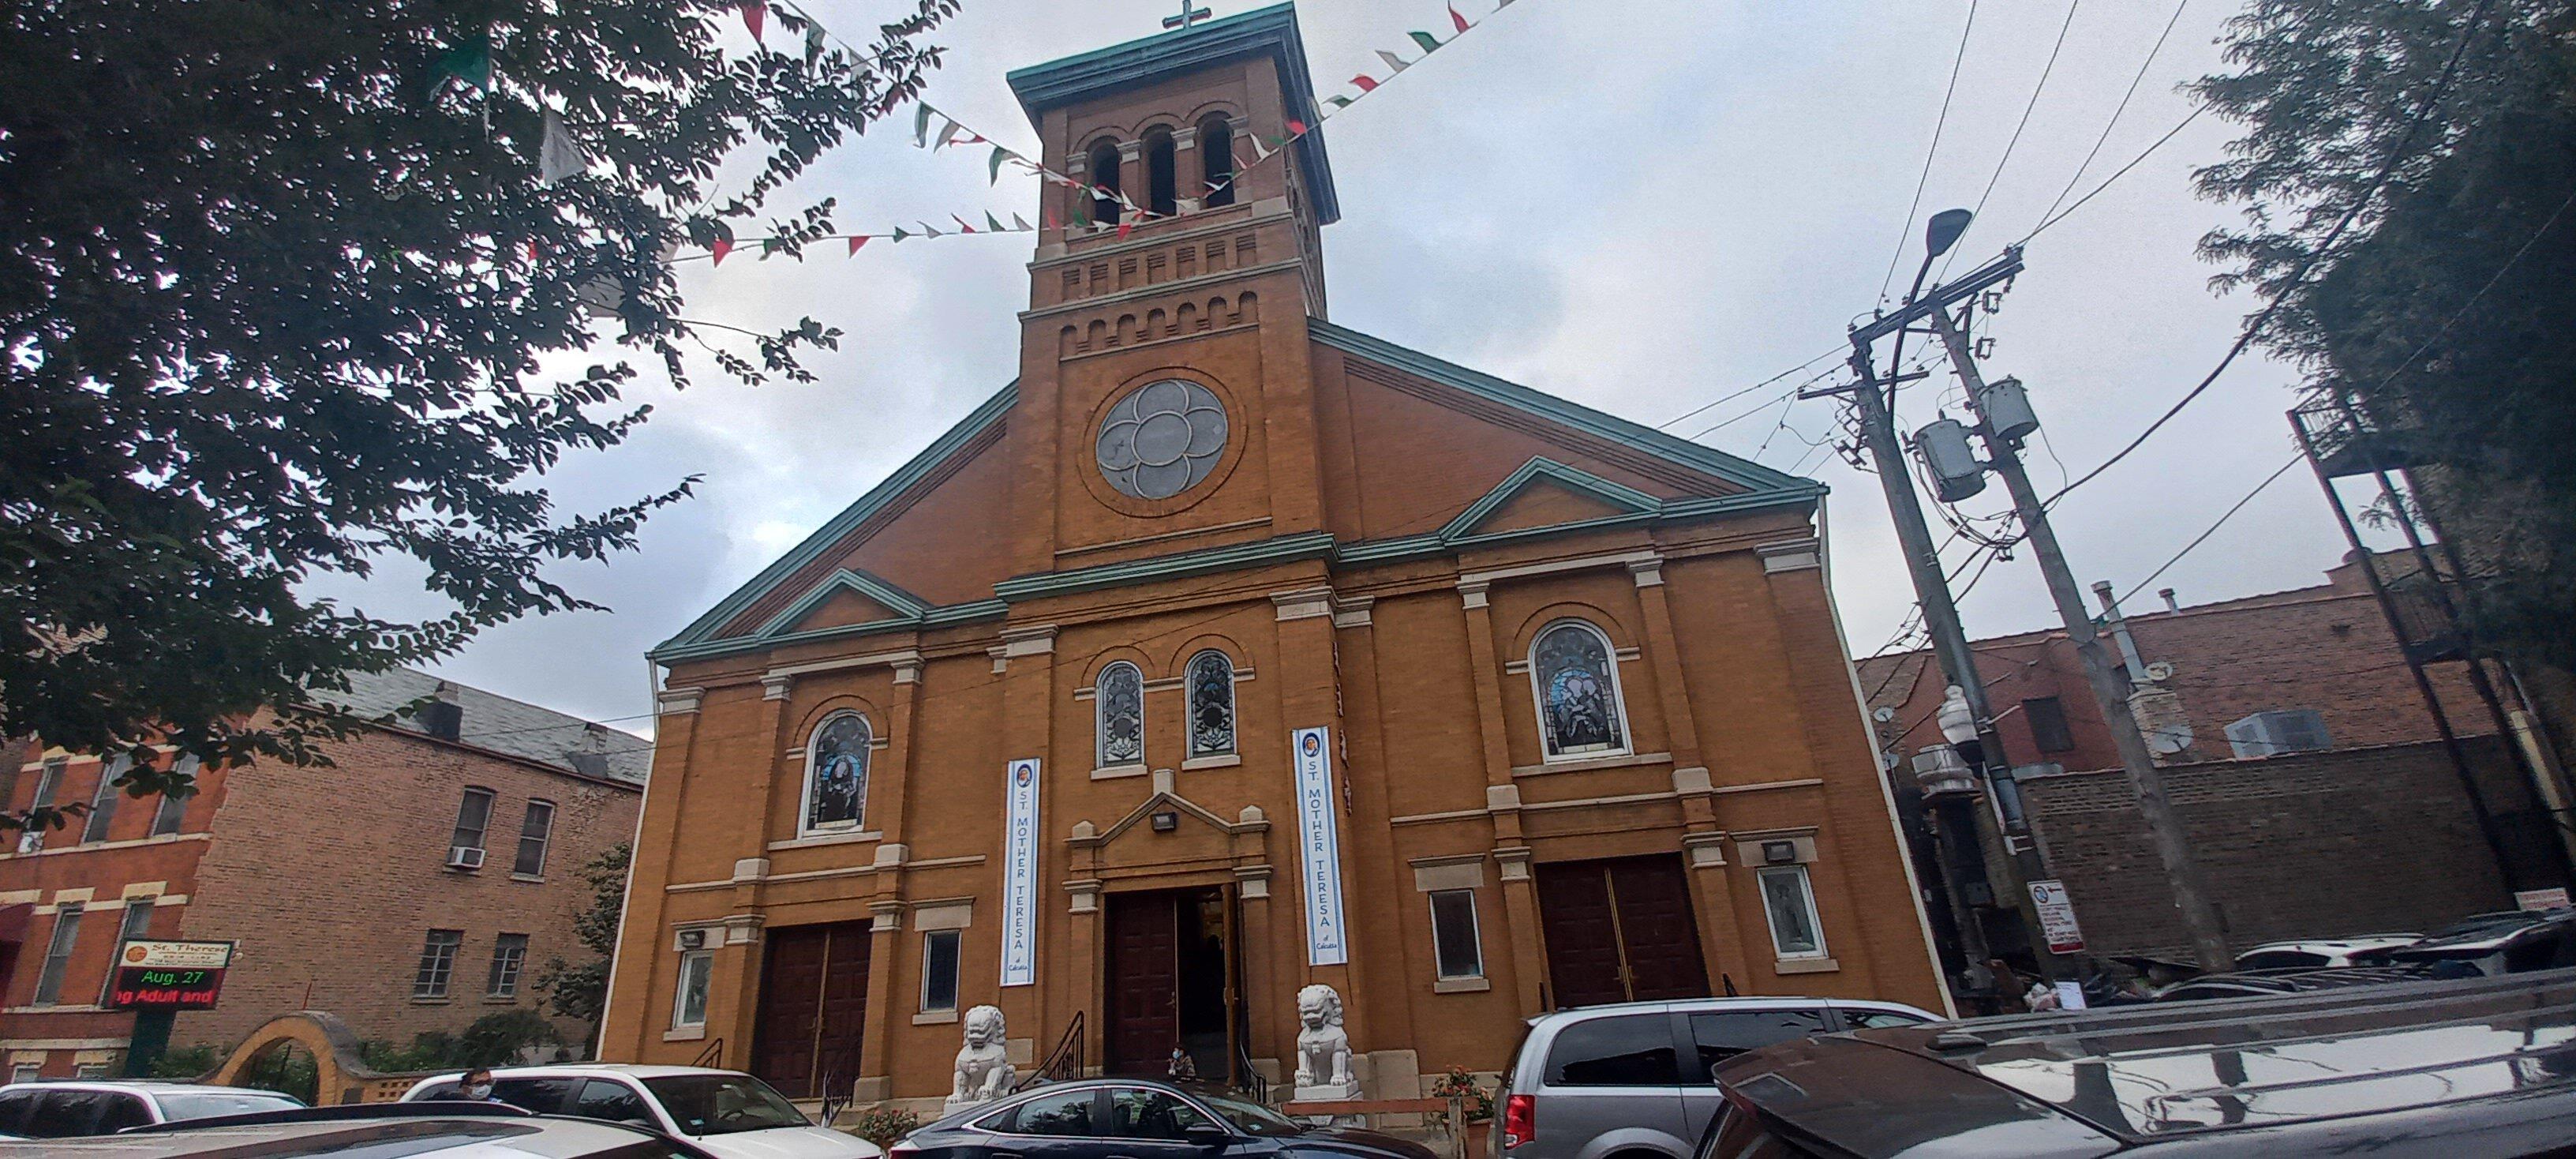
{"x":1229,"y":651}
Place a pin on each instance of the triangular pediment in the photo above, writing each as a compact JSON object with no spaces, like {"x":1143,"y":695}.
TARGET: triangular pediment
{"x":848,"y":597}
{"x":1547,"y":493}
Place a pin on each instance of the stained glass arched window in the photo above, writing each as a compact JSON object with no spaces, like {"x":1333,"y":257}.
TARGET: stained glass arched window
{"x":1211,"y":685}
{"x":836,"y":774}
{"x":1578,"y":691}
{"x":1119,"y":700}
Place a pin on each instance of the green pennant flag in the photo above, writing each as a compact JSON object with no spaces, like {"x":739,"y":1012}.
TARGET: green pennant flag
{"x":921,"y":126}
{"x":468,"y":61}
{"x":1338,"y":102}
{"x":1000,"y":155}
{"x":1428,"y":42}
{"x":1082,"y":211}
{"x":899,"y":235}
{"x":994,"y":223}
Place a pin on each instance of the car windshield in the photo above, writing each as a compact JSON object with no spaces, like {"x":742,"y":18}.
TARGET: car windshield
{"x":1252,"y":1118}
{"x":177,"y":1105}
{"x":722,"y":1104}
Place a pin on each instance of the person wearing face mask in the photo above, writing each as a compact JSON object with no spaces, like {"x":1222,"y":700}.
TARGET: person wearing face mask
{"x":476,"y":1087}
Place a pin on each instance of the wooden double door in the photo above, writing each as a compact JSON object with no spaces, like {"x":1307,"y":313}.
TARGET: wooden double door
{"x":1619,"y":930}
{"x":813,"y":1007}
{"x":1170,"y":981}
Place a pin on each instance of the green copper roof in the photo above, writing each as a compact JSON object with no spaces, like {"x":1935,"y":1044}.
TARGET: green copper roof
{"x":1268,"y":31}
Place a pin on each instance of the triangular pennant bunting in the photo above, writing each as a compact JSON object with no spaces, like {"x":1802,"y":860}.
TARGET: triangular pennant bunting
{"x":964,"y":224}
{"x":857,"y":241}
{"x":1364,"y":83}
{"x":1430,"y":44}
{"x":753,"y":13}
{"x":1021,"y":224}
{"x":1000,"y":155}
{"x":813,"y":41}
{"x":921,"y":127}
{"x":467,"y":62}
{"x":557,"y":156}
{"x":717,"y":249}
{"x":993,"y":224}
{"x":1454,"y":18}
{"x":1392,"y":60}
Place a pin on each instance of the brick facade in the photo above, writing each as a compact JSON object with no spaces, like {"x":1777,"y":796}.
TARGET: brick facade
{"x":1375,"y":551}
{"x":328,"y":878}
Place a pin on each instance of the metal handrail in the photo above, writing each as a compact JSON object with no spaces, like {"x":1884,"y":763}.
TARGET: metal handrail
{"x":712,"y":1056}
{"x":1064,"y":1064}
{"x":1249,"y":1080}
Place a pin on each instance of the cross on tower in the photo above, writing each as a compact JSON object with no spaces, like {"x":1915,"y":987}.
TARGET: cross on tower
{"x":1188,"y":16}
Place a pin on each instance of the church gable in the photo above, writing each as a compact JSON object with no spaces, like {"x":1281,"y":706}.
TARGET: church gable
{"x":1437,"y":451}
{"x":894,"y":558}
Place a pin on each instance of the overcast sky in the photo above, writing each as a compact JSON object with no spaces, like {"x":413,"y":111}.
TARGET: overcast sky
{"x":1638,"y":207}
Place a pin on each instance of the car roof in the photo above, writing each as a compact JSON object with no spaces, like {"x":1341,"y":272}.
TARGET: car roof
{"x":2138,"y":1073}
{"x":579,"y":1069}
{"x":1746,"y":1001}
{"x":2332,"y":945}
{"x":147,"y":1085}
{"x":426,"y":1135}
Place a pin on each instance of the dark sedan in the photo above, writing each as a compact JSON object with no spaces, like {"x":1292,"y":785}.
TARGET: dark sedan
{"x":1137,"y":1119}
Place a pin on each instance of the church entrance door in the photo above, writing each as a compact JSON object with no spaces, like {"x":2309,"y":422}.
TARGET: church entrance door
{"x":1619,"y":931}
{"x":1169,"y":982}
{"x":813,"y":1006}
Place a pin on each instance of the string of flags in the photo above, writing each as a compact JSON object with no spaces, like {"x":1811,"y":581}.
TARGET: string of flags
{"x":468,"y":64}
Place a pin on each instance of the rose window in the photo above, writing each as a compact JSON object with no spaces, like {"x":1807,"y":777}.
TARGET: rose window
{"x":1162,"y":439}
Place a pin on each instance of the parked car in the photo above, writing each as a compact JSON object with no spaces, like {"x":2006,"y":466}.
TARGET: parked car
{"x":1137,"y":1119}
{"x":726,"y":1112}
{"x":2482,"y":1066}
{"x":1634,"y":1079}
{"x":75,"y":1108}
{"x":2320,"y":953}
{"x":2493,"y":944}
{"x":378,"y":1130}
{"x":2255,"y":983}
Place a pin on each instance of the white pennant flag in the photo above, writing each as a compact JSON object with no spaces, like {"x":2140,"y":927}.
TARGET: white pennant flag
{"x":557,"y":156}
{"x":1020,"y":224}
{"x":1392,"y":60}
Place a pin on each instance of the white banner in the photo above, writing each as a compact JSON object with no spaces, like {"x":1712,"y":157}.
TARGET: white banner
{"x":1020,"y":877}
{"x":1321,"y":847}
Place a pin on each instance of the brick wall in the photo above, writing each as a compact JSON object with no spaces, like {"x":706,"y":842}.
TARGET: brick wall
{"x":331,"y":878}
{"x":2310,"y":845}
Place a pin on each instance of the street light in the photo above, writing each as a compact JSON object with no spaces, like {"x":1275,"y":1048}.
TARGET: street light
{"x":1939,"y":234}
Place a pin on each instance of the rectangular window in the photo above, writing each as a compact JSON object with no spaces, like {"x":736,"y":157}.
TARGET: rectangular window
{"x":58,"y":954}
{"x":473,"y":816}
{"x":437,"y":963}
{"x":535,"y":830}
{"x":89,"y":1070}
{"x":1454,"y":938}
{"x":1791,"y":906}
{"x":102,"y":801}
{"x":2048,"y":724}
{"x":32,"y":839}
{"x":939,"y":969}
{"x":689,"y":1002}
{"x":174,"y":810}
{"x":25,"y":1072}
{"x":509,"y":953}
{"x":135,"y":925}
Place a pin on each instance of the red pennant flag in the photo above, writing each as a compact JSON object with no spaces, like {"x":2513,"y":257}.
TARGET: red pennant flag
{"x":1456,"y":19}
{"x":1125,"y":225}
{"x":1296,"y":128}
{"x":1052,"y":221}
{"x":532,"y":251}
{"x":753,"y":13}
{"x":1365,"y":84}
{"x":963,"y":223}
{"x":717,"y":250}
{"x":856,"y":242}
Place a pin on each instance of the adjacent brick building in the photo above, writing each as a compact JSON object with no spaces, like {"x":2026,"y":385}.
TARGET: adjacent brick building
{"x":2307,"y":771}
{"x":335,"y":882}
{"x":1588,"y":725}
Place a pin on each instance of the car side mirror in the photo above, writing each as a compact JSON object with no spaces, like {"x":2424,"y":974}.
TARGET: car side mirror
{"x":1206,"y":1135}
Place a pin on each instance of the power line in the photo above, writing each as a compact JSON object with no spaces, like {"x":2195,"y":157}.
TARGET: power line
{"x":1703,"y":408}
{"x":1942,"y":122}
{"x":2405,"y":144}
{"x":2027,"y":108}
{"x":2122,"y":107}
{"x":2107,"y":182}
{"x":2212,"y":529}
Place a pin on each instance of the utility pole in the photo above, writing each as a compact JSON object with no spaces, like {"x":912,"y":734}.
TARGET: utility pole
{"x":2110,"y":684}
{"x":1949,"y":640}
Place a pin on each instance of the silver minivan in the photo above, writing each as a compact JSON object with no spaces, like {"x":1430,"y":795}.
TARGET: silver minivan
{"x":1633,"y":1079}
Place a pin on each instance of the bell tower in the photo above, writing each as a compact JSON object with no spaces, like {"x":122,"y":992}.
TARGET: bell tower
{"x":1165,"y":395}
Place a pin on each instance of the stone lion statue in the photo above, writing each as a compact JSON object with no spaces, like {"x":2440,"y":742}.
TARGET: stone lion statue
{"x":1323,"y":1048}
{"x":984,"y":1064}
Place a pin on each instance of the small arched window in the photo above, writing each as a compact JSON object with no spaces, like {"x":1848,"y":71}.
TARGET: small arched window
{"x":1118,"y":700}
{"x":1162,"y":174}
{"x":1216,"y":160}
{"x":1576,"y":677}
{"x":1103,"y":175}
{"x":836,"y":774}
{"x":1211,"y":685}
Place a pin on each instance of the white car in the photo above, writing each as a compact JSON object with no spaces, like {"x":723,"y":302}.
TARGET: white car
{"x":727,"y":1112}
{"x":2320,"y":953}
{"x":74,"y":1108}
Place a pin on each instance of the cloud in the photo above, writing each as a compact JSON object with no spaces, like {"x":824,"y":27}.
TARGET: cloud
{"x":1640,"y":207}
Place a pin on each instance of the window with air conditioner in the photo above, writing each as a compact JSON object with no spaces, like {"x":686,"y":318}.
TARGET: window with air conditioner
{"x":2270,"y":734}
{"x":473,"y":817}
